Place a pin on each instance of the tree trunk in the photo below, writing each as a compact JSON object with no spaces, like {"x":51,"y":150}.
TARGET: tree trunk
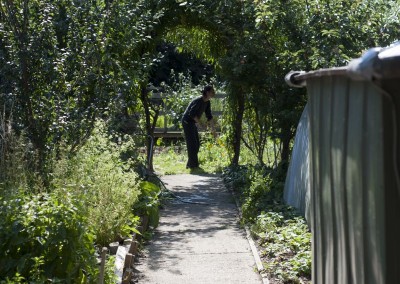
{"x":237,"y":126}
{"x":147,"y":105}
{"x":286,"y":138}
{"x":149,"y":138}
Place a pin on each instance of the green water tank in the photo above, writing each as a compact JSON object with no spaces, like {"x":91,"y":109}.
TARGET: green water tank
{"x":354,"y":168}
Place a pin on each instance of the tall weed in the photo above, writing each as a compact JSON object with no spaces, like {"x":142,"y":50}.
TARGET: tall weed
{"x":108,"y":186}
{"x":17,"y":159}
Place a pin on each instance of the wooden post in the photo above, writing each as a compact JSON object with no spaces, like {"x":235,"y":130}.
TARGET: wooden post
{"x":128,"y":261}
{"x":133,"y":248}
{"x":102,"y":264}
{"x":127,"y":275}
{"x":126,"y":278}
{"x":145,"y":223}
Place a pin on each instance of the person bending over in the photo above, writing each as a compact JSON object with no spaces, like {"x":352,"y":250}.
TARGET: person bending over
{"x":191,"y":118}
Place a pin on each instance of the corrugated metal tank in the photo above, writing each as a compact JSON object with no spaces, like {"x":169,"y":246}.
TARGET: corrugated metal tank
{"x":297,"y":185}
{"x":354,"y":164}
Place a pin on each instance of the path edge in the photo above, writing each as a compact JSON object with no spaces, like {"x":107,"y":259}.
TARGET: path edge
{"x":251,"y":242}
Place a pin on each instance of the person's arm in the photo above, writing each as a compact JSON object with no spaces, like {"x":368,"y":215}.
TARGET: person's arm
{"x":210,"y":120}
{"x":212,"y":127}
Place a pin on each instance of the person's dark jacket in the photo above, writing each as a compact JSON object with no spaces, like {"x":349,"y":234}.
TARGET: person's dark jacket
{"x":196,"y":108}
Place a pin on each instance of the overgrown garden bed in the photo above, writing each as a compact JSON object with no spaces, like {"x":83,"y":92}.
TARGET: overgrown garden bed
{"x":54,"y":233}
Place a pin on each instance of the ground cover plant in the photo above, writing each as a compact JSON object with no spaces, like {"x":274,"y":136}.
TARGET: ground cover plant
{"x":285,"y":242}
{"x":282,"y":235}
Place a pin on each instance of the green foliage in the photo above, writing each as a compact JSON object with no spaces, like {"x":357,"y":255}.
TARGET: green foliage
{"x":286,"y":242}
{"x":257,"y":186}
{"x":53,"y":235}
{"x":163,"y":120}
{"x":108,"y":186}
{"x":315,"y":34}
{"x":213,"y":155}
{"x":109,"y":271}
{"x":53,"y":66}
{"x":45,"y":237}
{"x":236,"y":177}
{"x":366,"y":24}
{"x":16,"y":154}
{"x":148,"y":202}
{"x":256,"y":195}
{"x":180,"y":93}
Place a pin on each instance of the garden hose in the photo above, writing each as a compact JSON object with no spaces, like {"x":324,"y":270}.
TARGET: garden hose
{"x":164,"y":189}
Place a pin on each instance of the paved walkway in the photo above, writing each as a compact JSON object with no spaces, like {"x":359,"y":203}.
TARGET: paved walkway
{"x":197,"y":243}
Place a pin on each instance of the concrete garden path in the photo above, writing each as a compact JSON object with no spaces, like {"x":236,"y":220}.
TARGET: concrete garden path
{"x":198,"y":243}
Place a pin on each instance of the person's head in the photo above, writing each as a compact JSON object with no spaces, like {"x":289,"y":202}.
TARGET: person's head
{"x":208,"y":92}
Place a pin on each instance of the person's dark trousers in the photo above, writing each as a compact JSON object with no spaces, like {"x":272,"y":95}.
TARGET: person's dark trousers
{"x":192,"y":143}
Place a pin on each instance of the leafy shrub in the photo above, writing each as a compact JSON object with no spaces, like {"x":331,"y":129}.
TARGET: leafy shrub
{"x":257,"y":187}
{"x":45,"y":237}
{"x":256,"y":195}
{"x":108,"y":186}
{"x":148,"y":203}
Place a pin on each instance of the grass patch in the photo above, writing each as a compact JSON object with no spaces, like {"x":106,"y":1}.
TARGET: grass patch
{"x":169,"y":160}
{"x":213,"y":157}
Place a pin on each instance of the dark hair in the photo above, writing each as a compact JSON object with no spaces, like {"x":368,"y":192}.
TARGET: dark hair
{"x":207,"y":89}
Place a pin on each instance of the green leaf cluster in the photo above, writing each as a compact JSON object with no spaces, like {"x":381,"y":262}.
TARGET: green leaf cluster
{"x":257,"y":186}
{"x":148,"y":202}
{"x":55,"y":80}
{"x":45,"y":238}
{"x":92,"y":200}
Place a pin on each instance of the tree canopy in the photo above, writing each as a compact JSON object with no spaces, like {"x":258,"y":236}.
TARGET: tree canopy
{"x":66,"y":62}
